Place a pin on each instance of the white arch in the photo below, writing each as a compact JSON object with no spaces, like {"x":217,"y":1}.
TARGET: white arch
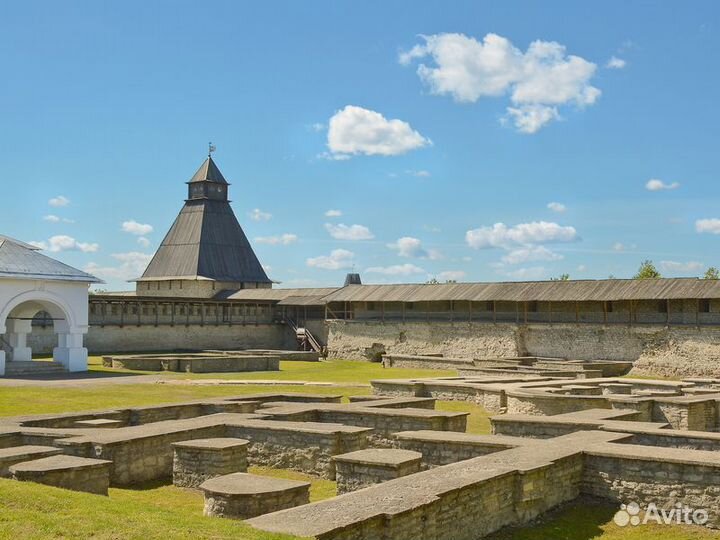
{"x":49,"y":301}
{"x":68,"y":325}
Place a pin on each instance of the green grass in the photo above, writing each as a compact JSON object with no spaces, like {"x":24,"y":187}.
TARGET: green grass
{"x":33,"y":511}
{"x":589,"y":521}
{"x":479,"y":420}
{"x":338,"y":371}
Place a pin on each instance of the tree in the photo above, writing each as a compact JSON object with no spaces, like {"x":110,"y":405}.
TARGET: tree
{"x":561,"y":277}
{"x":647,"y":270}
{"x":712,"y":273}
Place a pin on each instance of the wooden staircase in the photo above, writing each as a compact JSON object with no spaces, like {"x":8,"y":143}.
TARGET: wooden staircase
{"x":305,"y":339}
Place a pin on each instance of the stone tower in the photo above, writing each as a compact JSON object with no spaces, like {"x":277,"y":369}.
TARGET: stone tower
{"x":205,"y":251}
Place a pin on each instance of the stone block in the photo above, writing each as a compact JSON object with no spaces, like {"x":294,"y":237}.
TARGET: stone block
{"x":242,"y":495}
{"x":198,"y":460}
{"x":68,"y":472}
{"x":357,"y":470}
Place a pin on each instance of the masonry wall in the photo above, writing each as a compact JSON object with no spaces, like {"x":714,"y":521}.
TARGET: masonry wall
{"x":132,"y":338}
{"x":677,"y":351}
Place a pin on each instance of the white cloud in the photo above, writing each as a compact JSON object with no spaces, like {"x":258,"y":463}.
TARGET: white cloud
{"x":451,"y":275}
{"x":144,"y":242}
{"x":615,"y":63}
{"x":349,"y":232}
{"x":536,"y":232}
{"x":420,"y":173}
{"x":63,"y":242}
{"x":333,"y":213}
{"x":337,"y":260}
{"x":258,"y":215}
{"x":407,"y":246}
{"x":131,"y":266}
{"x":317,"y":126}
{"x":406,"y":269}
{"x":354,"y":130}
{"x":557,"y":207}
{"x":133,"y":227}
{"x":537,"y":81}
{"x":530,"y":118}
{"x":58,"y":201}
{"x":658,"y":185}
{"x":711,"y":226}
{"x":283,"y":239}
{"x":581,"y":268}
{"x":530,"y":253}
{"x":619,"y":246}
{"x":52,"y":218}
{"x":680,"y":267}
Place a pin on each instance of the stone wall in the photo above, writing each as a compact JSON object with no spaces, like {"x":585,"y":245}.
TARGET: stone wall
{"x":353,"y":339}
{"x":133,"y":338}
{"x":677,"y":351}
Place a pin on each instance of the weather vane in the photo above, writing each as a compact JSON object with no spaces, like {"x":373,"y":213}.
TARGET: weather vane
{"x":211,"y":148}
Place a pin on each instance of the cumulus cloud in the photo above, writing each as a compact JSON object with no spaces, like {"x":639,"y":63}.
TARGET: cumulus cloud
{"x":349,"y":232}
{"x":258,"y":215}
{"x":451,"y":275}
{"x":537,"y":81}
{"x":615,"y":63}
{"x":406,"y":269}
{"x":63,"y":242}
{"x":337,"y":260}
{"x":144,"y":242}
{"x":58,"y":201}
{"x":133,"y":227}
{"x":131,"y":265}
{"x":531,"y":253}
{"x":557,"y":207}
{"x":711,"y":225}
{"x":333,"y":213}
{"x":407,"y":246}
{"x":681,"y":267}
{"x":658,"y":185}
{"x":536,"y":232}
{"x":283,"y":239}
{"x":357,"y":131}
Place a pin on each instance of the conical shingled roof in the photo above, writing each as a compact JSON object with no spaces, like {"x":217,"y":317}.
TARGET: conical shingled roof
{"x":206,"y":242}
{"x":208,"y":172}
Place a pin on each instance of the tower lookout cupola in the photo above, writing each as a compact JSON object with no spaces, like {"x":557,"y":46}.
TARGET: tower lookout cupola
{"x":205,"y":251}
{"x":208,"y":183}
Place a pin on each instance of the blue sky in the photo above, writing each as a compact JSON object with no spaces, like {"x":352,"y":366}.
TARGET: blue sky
{"x":440,"y":131}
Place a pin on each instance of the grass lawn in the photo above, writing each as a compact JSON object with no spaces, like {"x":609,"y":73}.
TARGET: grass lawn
{"x":32,"y":511}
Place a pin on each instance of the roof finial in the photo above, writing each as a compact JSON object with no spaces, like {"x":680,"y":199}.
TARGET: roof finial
{"x":211,"y":148}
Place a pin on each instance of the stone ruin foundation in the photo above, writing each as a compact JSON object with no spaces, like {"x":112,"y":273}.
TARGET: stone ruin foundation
{"x":406,"y":470}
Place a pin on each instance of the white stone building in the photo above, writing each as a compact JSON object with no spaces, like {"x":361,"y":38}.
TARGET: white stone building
{"x":30,"y":283}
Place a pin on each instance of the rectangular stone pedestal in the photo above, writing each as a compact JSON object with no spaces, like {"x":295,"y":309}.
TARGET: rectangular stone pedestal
{"x":69,"y":472}
{"x":199,"y":460}
{"x":357,"y":470}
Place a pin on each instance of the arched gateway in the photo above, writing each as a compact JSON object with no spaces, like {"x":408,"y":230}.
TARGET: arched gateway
{"x":31,"y":283}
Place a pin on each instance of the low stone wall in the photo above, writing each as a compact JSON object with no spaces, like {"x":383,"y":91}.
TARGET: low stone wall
{"x":19,"y":454}
{"x":68,"y":472}
{"x":443,"y":448}
{"x":664,"y":477}
{"x":196,"y":362}
{"x":242,"y":496}
{"x":358,"y":470}
{"x":424,"y":362}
